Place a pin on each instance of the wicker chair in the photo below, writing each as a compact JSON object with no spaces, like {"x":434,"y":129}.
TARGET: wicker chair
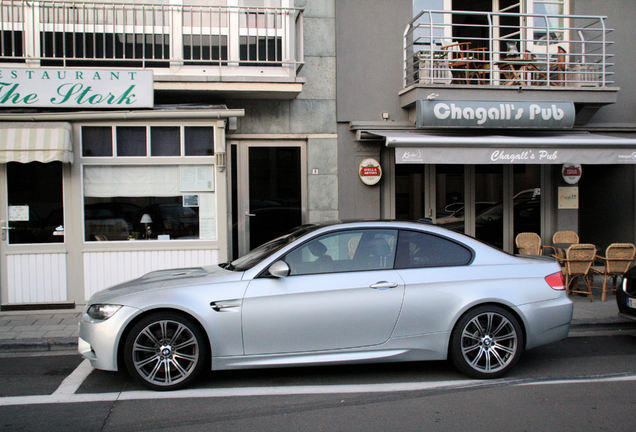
{"x":528,"y":243}
{"x":565,"y":237}
{"x":617,"y":260}
{"x":561,"y":239}
{"x":577,"y":264}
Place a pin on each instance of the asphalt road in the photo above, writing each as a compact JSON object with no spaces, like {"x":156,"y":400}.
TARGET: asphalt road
{"x":579,"y":384}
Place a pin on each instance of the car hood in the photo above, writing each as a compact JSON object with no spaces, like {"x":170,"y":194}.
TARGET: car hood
{"x":159,"y":279}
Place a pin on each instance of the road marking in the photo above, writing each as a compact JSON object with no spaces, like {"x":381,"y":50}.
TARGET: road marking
{"x":63,"y":397}
{"x":72,"y":382}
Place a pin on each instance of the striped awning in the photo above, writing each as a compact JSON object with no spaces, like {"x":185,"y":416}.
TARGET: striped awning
{"x":35,"y":142}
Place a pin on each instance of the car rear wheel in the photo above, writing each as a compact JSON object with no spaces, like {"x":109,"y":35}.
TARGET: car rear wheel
{"x":165,"y":351}
{"x":486,"y":342}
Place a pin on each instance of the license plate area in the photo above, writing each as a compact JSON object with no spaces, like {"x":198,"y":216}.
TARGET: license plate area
{"x":631,"y":303}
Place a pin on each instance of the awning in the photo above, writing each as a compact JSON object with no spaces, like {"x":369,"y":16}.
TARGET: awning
{"x":418,"y":147}
{"x":35,"y":142}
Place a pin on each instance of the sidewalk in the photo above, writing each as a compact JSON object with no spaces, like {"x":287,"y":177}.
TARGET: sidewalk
{"x":57,"y":330}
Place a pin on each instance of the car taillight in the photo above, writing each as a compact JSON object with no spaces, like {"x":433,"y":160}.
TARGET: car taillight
{"x":556,"y":282}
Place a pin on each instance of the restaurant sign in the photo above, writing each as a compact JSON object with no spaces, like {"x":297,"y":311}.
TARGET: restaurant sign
{"x":489,"y":114}
{"x":75,"y":88}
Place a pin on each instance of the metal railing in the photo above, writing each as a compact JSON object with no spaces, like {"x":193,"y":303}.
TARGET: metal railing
{"x":153,"y":34}
{"x":507,"y":49}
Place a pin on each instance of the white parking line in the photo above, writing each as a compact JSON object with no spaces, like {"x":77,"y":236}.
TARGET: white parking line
{"x":72,"y":382}
{"x":61,"y":396}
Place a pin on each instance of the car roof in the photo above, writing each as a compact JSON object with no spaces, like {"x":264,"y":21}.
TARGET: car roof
{"x":397,"y":224}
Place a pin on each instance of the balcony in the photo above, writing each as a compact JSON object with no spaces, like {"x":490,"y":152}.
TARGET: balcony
{"x":508,"y":56}
{"x":241,"y":51}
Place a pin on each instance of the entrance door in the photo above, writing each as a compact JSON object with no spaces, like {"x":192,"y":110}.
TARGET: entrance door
{"x":32,"y":248}
{"x":436,"y":192}
{"x":270,"y":196}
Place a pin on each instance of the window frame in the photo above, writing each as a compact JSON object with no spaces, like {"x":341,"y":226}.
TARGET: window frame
{"x":149,"y":125}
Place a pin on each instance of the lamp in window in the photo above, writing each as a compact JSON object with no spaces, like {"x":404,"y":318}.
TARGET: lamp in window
{"x":146,"y":220}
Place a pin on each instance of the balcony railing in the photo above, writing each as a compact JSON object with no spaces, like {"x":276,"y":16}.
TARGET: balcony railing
{"x":156,"y":34}
{"x":507,"y":49}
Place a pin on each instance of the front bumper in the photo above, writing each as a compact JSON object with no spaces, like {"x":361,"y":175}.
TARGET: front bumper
{"x":98,"y":340}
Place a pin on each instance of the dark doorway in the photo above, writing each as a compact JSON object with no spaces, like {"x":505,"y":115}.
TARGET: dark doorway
{"x":275,"y":196}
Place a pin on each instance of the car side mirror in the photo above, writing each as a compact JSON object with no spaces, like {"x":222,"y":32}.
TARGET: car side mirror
{"x":279,"y":269}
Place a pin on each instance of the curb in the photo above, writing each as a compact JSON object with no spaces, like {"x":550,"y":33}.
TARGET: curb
{"x":38,"y":345}
{"x":603,"y":324}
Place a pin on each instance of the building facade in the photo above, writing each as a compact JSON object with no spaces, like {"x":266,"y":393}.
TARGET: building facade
{"x":490,"y":117}
{"x":139,"y":135}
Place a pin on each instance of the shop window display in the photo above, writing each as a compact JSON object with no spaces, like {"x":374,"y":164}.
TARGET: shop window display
{"x":170,"y":200}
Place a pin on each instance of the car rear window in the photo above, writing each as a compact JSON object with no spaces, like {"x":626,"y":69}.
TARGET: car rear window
{"x":417,"y":249}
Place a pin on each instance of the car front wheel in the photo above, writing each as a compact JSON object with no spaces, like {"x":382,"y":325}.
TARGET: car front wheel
{"x":165,"y":351}
{"x":486,"y":342}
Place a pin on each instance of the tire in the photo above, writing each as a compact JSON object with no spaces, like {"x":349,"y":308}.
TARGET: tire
{"x":165,"y":351}
{"x":486,"y":342}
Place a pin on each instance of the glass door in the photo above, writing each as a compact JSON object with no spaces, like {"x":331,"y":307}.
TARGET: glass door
{"x":270,"y":192}
{"x":489,"y":203}
{"x":32,"y":233}
{"x":435,"y":192}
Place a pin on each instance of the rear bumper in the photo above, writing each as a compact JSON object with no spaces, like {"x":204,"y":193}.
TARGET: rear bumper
{"x":547,"y":321}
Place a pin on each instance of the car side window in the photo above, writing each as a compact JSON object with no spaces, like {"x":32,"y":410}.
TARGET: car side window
{"x":345,"y":251}
{"x":418,"y":249}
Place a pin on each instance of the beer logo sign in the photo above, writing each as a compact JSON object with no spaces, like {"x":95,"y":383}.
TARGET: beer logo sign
{"x":571,"y":173}
{"x":370,"y":172}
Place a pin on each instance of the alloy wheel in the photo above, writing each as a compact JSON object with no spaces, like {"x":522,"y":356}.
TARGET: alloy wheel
{"x":489,"y":342}
{"x":165,"y":353}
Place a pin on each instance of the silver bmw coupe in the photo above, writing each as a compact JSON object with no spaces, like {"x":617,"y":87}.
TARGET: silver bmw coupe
{"x":332,"y":294}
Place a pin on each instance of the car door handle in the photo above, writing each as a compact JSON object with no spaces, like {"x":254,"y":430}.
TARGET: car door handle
{"x":383,"y":285}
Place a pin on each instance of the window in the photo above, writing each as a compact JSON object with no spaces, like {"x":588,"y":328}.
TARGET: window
{"x":158,"y":197}
{"x":550,"y":8}
{"x":97,"y":141}
{"x":139,"y":218}
{"x":199,"y":141}
{"x":355,"y":250}
{"x":199,"y":48}
{"x":417,"y":249}
{"x":35,"y":202}
{"x":161,"y":202}
{"x":165,"y":141}
{"x":98,"y":49}
{"x":131,"y":141}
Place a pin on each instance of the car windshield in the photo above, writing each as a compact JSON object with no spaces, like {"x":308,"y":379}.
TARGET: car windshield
{"x":256,"y":255}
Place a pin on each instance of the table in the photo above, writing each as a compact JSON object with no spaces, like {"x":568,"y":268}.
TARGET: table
{"x":513,"y":70}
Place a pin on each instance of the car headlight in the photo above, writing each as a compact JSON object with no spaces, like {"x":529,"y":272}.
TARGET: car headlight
{"x":102,"y":312}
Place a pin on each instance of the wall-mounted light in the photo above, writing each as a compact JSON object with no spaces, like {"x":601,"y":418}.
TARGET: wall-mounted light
{"x":220,"y":161}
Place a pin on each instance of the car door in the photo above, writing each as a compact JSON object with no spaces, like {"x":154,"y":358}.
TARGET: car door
{"x":342,"y":292}
{"x":436,"y":275}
